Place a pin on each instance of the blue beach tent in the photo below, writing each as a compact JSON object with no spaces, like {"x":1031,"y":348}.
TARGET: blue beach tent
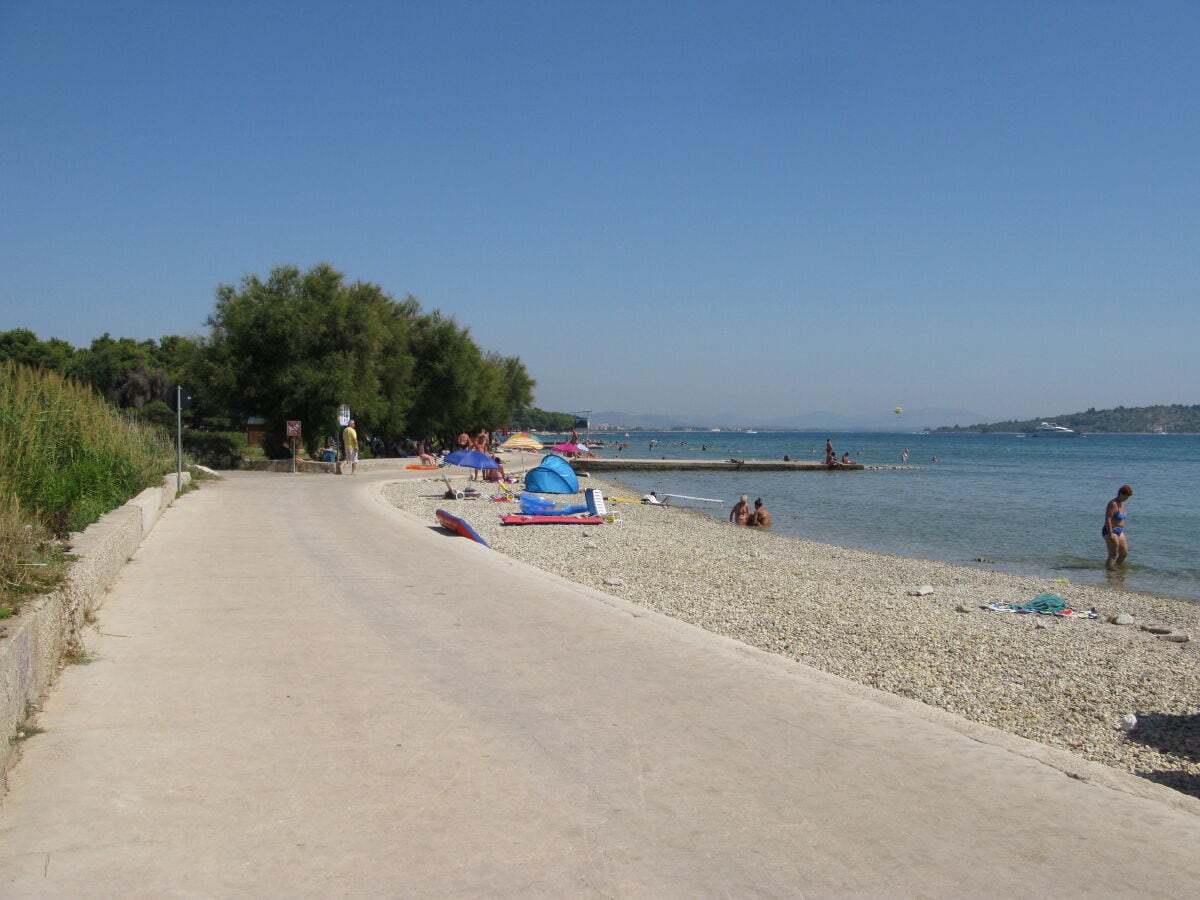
{"x":562,"y":467}
{"x":553,"y":476}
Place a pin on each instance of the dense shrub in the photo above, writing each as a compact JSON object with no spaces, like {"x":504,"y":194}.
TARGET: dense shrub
{"x":67,"y":456}
{"x":216,"y":449}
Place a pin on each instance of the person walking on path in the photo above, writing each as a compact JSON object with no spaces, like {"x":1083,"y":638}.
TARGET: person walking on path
{"x":1113,"y":531}
{"x":350,"y":445}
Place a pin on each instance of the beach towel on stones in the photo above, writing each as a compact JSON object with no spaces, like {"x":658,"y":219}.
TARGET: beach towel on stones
{"x":1046,"y":605}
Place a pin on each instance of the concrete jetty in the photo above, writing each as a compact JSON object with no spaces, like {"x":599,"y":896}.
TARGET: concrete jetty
{"x":589,"y":464}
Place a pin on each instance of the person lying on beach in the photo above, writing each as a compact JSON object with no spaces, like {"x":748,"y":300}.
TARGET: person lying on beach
{"x":740,"y":514}
{"x":760,"y":518}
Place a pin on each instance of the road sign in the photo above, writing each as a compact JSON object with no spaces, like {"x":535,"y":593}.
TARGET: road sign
{"x":293,"y":428}
{"x":178,"y":398}
{"x":344,"y":415}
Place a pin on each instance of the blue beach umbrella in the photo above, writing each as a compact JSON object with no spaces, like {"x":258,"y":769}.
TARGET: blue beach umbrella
{"x":471,"y":459}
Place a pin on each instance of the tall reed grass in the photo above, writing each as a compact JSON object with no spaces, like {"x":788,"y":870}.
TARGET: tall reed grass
{"x":31,"y":560}
{"x":67,"y":456}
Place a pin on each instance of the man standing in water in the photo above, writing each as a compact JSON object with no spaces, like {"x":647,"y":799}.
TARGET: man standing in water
{"x":350,"y":445}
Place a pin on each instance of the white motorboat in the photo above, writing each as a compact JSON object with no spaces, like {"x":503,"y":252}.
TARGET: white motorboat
{"x":1049,"y":429}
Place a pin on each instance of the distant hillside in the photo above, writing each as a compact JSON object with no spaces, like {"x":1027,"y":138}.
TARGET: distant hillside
{"x":884,"y":420}
{"x":1177,"y":419}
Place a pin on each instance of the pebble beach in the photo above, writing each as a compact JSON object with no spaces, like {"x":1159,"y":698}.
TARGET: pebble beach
{"x":1064,"y":682}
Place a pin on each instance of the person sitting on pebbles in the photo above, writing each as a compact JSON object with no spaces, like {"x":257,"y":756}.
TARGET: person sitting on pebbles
{"x":760,"y":518}
{"x":740,"y":514}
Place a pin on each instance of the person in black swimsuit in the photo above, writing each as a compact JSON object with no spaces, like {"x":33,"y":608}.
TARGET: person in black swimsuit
{"x":1113,"y":531}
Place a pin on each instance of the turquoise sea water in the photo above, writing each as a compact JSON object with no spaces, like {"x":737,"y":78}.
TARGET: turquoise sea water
{"x":1032,"y":505}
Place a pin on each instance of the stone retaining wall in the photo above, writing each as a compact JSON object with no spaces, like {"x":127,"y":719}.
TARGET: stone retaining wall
{"x":33,"y":643}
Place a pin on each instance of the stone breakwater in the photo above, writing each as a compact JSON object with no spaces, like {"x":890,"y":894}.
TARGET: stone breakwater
{"x":1063,"y":682}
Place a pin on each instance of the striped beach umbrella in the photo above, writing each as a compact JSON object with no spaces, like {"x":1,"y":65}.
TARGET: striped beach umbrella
{"x":521,"y":440}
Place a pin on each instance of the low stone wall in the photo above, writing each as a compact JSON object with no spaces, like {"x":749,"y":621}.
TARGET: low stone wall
{"x":309,"y":467}
{"x":304,"y":466}
{"x":33,"y":643}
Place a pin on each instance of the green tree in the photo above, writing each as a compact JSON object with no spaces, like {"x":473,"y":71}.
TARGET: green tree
{"x":22,"y":345}
{"x":108,"y":363}
{"x":516,"y":383}
{"x":297,"y":345}
{"x":448,"y":377}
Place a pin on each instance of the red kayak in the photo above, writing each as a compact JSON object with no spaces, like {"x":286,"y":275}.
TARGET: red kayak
{"x":551,"y":520}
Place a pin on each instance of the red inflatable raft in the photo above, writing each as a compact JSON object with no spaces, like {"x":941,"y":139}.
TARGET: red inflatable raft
{"x":551,"y":520}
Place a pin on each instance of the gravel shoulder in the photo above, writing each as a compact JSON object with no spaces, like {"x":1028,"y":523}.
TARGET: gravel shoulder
{"x":1062,"y":682}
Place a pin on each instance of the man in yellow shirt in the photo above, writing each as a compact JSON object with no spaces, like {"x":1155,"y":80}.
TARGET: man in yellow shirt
{"x":350,"y":446}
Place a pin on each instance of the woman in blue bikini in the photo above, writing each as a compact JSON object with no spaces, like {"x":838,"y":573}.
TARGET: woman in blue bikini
{"x":1114,"y":528}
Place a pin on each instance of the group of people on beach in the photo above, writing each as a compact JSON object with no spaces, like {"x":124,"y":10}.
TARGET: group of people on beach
{"x":1113,"y":530}
{"x":742,"y":514}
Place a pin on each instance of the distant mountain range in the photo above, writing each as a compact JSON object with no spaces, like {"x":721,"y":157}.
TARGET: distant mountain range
{"x":886,"y":420}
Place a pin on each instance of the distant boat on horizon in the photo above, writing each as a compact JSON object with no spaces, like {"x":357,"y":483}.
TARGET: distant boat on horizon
{"x":1049,"y":429}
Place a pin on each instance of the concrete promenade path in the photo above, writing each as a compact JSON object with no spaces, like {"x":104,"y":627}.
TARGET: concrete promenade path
{"x":297,"y":691}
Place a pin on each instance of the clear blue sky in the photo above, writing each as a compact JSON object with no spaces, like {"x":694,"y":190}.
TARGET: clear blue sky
{"x":772,"y":208}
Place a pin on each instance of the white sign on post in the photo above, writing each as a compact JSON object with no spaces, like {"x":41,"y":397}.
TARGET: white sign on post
{"x":344,"y":415}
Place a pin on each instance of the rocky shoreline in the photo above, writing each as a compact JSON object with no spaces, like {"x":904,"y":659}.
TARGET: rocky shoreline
{"x":1064,"y":682}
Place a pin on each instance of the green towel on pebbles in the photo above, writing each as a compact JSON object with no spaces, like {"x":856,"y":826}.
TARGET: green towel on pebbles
{"x":1045,"y":603}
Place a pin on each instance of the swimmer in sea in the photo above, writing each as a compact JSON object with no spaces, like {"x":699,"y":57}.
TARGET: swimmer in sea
{"x":1113,"y":531}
